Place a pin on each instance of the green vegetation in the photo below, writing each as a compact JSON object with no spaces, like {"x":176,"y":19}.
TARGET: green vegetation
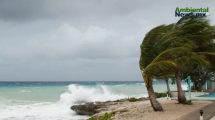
{"x":106,"y":116}
{"x":160,"y":95}
{"x":176,"y":51}
{"x":189,"y":102}
{"x":133,"y":99}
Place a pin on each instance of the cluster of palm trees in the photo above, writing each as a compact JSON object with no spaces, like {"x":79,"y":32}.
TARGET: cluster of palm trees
{"x":174,"y":51}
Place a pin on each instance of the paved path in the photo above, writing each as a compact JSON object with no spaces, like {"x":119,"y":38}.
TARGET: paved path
{"x":213,"y":118}
{"x":209,"y":112}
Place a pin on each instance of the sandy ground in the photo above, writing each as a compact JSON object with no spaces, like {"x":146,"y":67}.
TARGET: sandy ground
{"x":142,"y":110}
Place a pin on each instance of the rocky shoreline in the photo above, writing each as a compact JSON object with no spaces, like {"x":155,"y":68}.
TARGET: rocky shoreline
{"x":99,"y":108}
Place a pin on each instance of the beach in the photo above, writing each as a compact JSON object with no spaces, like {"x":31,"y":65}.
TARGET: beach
{"x":172,"y":110}
{"x":141,"y":109}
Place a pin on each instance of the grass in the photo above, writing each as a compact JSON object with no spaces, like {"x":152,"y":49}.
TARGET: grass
{"x":106,"y":116}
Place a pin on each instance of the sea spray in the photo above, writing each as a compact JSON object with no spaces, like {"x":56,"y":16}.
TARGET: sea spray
{"x":77,"y":94}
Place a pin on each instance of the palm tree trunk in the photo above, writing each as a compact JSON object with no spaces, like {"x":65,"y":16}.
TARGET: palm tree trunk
{"x":155,"y":104}
{"x":181,"y":96}
{"x":168,"y":88}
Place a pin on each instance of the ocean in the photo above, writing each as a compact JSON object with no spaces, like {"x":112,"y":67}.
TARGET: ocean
{"x":52,"y":100}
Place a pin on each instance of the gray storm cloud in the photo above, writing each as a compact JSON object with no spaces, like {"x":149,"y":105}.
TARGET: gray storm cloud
{"x":79,"y":39}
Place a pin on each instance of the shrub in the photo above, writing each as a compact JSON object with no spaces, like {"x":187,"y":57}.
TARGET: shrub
{"x":159,"y":95}
{"x":106,"y":116}
{"x":189,"y":102}
{"x":133,"y":99}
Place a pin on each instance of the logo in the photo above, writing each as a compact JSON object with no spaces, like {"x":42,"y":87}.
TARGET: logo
{"x":189,"y":11}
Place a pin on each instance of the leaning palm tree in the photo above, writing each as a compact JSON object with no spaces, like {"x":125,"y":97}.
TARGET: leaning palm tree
{"x":149,"y":50}
{"x":197,"y":34}
{"x":173,"y":49}
{"x":175,"y":61}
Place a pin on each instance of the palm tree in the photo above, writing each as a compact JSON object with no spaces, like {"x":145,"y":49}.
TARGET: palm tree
{"x":149,"y":50}
{"x":166,"y":79}
{"x":167,"y":87}
{"x":197,"y":33}
{"x":175,"y":61}
{"x":175,"y":49}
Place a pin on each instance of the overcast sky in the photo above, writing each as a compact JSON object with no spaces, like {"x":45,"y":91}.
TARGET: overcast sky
{"x":49,"y":40}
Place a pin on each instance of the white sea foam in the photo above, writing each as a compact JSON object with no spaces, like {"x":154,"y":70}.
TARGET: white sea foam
{"x":59,"y":110}
{"x":140,"y":83}
{"x":184,"y":87}
{"x":38,"y":111}
{"x":79,"y":94}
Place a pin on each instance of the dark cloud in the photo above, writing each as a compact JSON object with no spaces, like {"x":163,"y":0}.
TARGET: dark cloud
{"x":73,"y":9}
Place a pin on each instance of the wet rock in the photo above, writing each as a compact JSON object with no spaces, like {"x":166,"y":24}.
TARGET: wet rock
{"x":85,"y":109}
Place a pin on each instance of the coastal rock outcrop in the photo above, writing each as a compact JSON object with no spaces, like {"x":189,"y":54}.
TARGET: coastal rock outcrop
{"x":92,"y":108}
{"x":85,"y":109}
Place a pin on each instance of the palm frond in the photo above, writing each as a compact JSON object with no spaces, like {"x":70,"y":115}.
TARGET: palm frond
{"x":172,"y":53}
{"x":161,"y":68}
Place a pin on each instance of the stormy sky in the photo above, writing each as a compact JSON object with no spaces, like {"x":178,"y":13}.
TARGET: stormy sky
{"x":61,"y":40}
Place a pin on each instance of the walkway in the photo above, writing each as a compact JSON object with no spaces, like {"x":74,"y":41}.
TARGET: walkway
{"x":213,"y":118}
{"x":209,"y":112}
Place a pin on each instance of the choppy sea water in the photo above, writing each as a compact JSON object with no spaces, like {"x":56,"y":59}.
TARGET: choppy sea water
{"x":52,"y":100}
